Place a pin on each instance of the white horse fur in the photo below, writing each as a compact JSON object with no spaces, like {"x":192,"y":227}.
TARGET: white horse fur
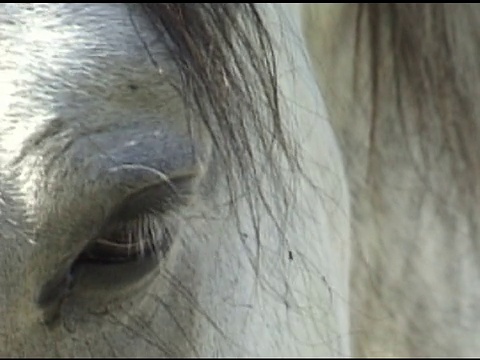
{"x":321,"y":235}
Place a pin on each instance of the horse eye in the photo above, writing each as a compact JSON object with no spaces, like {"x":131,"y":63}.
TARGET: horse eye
{"x":143,"y":226}
{"x":135,"y":240}
{"x":139,"y":232}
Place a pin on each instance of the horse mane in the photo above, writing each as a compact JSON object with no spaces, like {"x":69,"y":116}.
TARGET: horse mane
{"x":424,"y":62}
{"x":226,"y":61}
{"x":227,"y":67}
{"x":416,"y":77}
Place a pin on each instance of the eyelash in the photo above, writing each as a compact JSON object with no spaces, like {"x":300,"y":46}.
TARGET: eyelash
{"x":144,"y":236}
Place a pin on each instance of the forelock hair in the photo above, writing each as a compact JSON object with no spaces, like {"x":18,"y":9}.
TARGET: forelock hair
{"x":226,"y":62}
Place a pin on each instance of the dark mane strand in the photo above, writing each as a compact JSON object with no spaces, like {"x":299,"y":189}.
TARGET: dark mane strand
{"x":226,"y":62}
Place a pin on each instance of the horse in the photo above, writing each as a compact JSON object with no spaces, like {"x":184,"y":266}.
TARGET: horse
{"x":399,"y":81}
{"x":238,"y":180}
